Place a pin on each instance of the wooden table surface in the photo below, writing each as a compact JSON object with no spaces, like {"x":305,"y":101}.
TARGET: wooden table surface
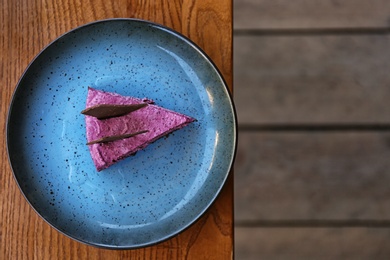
{"x":27,"y":26}
{"x":312,"y":170}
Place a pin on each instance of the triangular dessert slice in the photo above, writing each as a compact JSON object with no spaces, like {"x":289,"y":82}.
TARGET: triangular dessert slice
{"x":149,"y":123}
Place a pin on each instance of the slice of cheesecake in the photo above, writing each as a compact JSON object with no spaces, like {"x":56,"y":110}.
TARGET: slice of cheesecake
{"x":138,"y":128}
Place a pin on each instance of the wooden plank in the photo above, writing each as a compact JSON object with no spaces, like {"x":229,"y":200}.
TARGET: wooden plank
{"x":312,"y":176}
{"x":215,"y":19}
{"x":279,"y":14}
{"x":312,"y":79}
{"x":26,"y":27}
{"x":312,"y":243}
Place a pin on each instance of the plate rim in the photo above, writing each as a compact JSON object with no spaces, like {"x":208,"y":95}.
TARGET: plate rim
{"x":234,"y":139}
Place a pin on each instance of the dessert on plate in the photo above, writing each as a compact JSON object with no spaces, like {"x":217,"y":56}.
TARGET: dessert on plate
{"x":118,"y":126}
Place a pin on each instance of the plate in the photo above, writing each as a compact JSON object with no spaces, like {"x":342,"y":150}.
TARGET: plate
{"x":146,"y":198}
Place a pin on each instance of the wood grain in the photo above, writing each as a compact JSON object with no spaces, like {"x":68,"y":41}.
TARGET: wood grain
{"x":28,"y":26}
{"x":216,"y":23}
{"x":307,"y":14}
{"x":312,"y":243}
{"x":320,"y":79}
{"x":281,"y":176}
{"x":312,"y":166}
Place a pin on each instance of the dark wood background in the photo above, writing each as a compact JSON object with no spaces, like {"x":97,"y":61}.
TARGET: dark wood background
{"x":312,"y":90}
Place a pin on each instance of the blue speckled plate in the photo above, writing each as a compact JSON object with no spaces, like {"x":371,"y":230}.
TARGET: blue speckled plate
{"x":143,"y":199}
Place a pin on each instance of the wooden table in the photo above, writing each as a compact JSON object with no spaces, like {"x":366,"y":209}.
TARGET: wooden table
{"x":27,"y":26}
{"x":312,"y":171}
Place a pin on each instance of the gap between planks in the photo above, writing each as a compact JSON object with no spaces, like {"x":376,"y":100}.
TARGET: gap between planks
{"x":312,"y":32}
{"x":373,"y":223}
{"x":314,"y":127}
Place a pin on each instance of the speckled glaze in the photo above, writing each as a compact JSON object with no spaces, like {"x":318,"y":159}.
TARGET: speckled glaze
{"x":143,"y":199}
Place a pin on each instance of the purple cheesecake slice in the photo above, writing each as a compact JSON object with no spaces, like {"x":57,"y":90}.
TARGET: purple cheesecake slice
{"x":150,"y":122}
